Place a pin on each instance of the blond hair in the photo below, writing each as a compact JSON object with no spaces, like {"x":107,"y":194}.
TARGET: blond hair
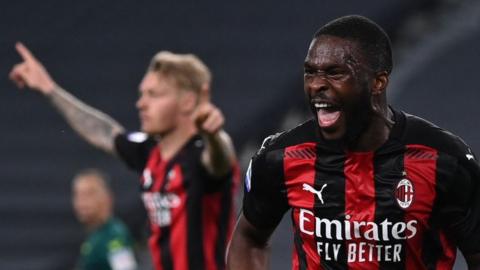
{"x":186,"y":70}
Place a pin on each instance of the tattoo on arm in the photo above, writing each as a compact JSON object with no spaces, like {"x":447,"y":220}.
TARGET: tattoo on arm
{"x":94,"y":126}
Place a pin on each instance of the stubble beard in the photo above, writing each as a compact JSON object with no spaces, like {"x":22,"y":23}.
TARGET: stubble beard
{"x":358,"y":118}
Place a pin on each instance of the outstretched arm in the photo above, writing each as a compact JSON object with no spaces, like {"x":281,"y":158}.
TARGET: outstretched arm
{"x":249,"y":249}
{"x":94,"y":126}
{"x":91,"y":124}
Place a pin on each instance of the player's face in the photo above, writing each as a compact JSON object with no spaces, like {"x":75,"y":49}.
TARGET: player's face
{"x":335,"y":82}
{"x":158,"y":104}
{"x":90,"y":199}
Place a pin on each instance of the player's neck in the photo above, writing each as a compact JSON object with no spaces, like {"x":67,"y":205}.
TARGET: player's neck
{"x":172,"y":142}
{"x":375,"y":135}
{"x":97,"y":223}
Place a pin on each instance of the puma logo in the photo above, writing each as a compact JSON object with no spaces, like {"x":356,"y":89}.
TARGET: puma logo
{"x":309,"y":188}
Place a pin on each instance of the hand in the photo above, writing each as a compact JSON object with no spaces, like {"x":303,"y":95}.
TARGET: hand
{"x":31,"y":72}
{"x":208,"y":118}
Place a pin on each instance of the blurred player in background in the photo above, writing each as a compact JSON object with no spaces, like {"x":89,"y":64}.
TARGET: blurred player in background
{"x":109,"y":244}
{"x":369,"y":187}
{"x":186,"y":161}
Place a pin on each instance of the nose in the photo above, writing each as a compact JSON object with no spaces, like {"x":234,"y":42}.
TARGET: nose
{"x":316,"y":83}
{"x":140,"y":104}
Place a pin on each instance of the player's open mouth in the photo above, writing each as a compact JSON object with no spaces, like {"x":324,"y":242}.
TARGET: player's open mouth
{"x":143,"y":117}
{"x":327,"y":113}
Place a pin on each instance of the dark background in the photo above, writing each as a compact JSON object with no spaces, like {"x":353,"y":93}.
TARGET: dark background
{"x":99,"y":51}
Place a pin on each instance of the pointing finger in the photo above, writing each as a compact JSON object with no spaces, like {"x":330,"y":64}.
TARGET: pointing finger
{"x":24,"y":52}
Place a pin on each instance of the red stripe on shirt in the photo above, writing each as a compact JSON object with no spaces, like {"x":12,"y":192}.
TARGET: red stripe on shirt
{"x":212,"y":210}
{"x":157,"y":167}
{"x":299,"y":171}
{"x":157,"y":173}
{"x":449,"y":254}
{"x":309,"y":243}
{"x":421,"y":171}
{"x":360,"y":206}
{"x":211,"y":214}
{"x":178,"y":238}
{"x":154,"y":248}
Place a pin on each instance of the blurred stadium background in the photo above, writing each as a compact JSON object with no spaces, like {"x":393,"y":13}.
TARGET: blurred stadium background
{"x":99,"y":50}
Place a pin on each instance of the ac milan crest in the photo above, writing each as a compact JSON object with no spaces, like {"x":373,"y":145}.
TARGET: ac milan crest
{"x":404,"y":193}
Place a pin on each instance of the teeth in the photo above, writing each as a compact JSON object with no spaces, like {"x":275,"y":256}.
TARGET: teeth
{"x":321,"y":105}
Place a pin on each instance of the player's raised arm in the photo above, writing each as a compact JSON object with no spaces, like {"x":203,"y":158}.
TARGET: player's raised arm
{"x":219,"y":153}
{"x":94,"y":126}
{"x":249,"y":249}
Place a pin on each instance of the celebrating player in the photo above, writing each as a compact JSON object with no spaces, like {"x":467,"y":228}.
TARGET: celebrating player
{"x":369,"y":187}
{"x":186,"y":161}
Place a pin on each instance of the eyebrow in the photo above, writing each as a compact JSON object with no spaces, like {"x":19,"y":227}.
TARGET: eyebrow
{"x":328,"y":66}
{"x":307,"y":64}
{"x":310,"y":64}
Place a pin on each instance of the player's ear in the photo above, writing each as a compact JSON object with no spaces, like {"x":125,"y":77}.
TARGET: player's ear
{"x":380,"y":83}
{"x":188,"y":101}
{"x":204,"y":95}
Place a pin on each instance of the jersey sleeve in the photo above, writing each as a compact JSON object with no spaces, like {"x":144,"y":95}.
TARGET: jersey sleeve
{"x":265,"y":201}
{"x":229,"y":180}
{"x":134,"y":149}
{"x":460,"y":207}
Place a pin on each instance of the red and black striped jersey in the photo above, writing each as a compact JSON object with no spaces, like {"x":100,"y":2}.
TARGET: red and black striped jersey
{"x":407,"y":205}
{"x":190,"y":211}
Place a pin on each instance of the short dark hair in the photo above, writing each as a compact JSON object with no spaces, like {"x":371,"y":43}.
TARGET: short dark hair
{"x":103,"y":177}
{"x":371,"y":38}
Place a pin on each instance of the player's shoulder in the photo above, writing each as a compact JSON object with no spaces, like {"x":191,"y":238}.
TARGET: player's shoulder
{"x":116,"y":229}
{"x":422,"y":132}
{"x":138,"y":137}
{"x":303,"y":133}
{"x":118,"y":225}
{"x":267,"y":164}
